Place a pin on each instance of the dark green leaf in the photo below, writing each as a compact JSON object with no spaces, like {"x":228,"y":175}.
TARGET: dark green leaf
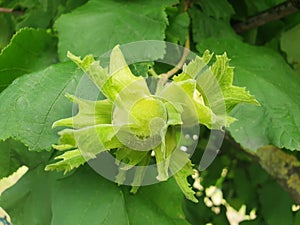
{"x":242,"y":189}
{"x":178,"y":27}
{"x":221,"y":218}
{"x":8,"y":163}
{"x":276,"y":205}
{"x":29,"y":50}
{"x":201,"y":214}
{"x":219,"y":9}
{"x":71,"y":5}
{"x":259,"y":6}
{"x":157,"y":204}
{"x":288,"y":40}
{"x":6,"y":30}
{"x":251,"y":222}
{"x":14,"y":154}
{"x":29,"y":200}
{"x":205,"y":26}
{"x":297,"y":218}
{"x":39,"y":14}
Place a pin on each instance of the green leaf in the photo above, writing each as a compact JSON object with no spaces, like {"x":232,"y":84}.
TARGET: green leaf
{"x":274,"y":85}
{"x":34,"y":9}
{"x":100,"y":25}
{"x":178,"y":27}
{"x":278,"y":212}
{"x":89,"y":199}
{"x":297,"y":218}
{"x":8,"y":162}
{"x":259,"y":6}
{"x":28,"y":115}
{"x":23,"y":200}
{"x":68,"y":5}
{"x":6,"y":30}
{"x":242,"y":189}
{"x":29,"y":50}
{"x":287,"y":43}
{"x":41,"y":14}
{"x":14,"y":154}
{"x":205,"y":26}
{"x":251,"y":222}
{"x":216,"y":8}
{"x":156,"y":204}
